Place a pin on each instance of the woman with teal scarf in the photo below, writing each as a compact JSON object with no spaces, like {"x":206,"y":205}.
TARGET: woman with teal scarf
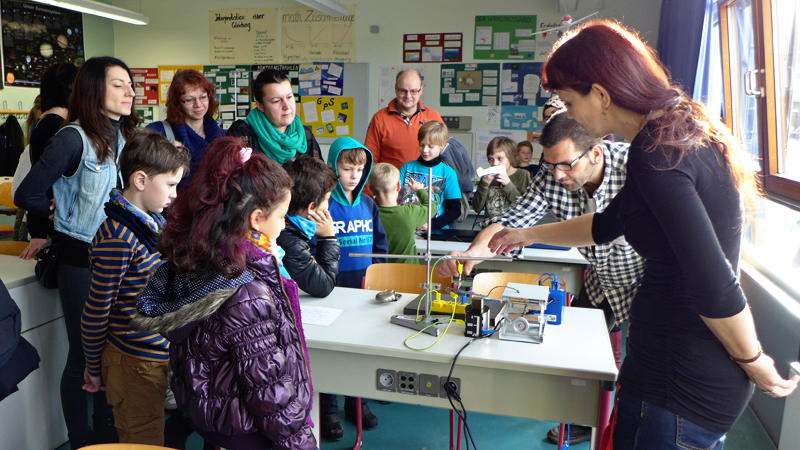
{"x":273,"y":127}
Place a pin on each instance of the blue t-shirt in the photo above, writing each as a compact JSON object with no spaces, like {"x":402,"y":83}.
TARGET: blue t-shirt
{"x":358,"y":229}
{"x":444,"y":185}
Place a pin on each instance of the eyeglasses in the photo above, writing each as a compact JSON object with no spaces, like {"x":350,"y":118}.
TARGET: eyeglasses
{"x":564,"y":167}
{"x":192,"y":100}
{"x":408,"y":91}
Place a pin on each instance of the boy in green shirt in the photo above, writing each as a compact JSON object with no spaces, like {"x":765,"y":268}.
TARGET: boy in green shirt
{"x":399,"y":222}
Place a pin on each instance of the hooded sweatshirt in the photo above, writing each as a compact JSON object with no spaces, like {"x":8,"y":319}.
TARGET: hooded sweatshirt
{"x":357,"y":225}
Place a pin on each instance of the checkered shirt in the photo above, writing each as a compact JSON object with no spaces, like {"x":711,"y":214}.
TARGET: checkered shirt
{"x":616,"y":269}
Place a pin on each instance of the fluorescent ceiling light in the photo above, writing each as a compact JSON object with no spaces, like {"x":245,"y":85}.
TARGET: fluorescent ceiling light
{"x":329,"y":7}
{"x":100,"y":9}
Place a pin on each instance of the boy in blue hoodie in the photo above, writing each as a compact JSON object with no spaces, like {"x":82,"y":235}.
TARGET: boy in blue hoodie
{"x":358,"y":229}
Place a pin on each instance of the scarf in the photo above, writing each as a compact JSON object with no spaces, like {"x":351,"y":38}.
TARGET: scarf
{"x":146,"y":227}
{"x":263,"y":242}
{"x":308,"y":227}
{"x":279,"y":147}
{"x":430,"y":163}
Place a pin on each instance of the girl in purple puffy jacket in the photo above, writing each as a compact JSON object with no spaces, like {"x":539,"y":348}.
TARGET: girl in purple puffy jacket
{"x":238,"y":354}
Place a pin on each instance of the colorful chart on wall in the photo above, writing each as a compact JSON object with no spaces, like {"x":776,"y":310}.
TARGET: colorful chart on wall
{"x":165,"y":74}
{"x":432,"y":47}
{"x":308,"y":35}
{"x":145,"y":84}
{"x":321,"y":78}
{"x":243,"y":35}
{"x":146,"y":112}
{"x":328,"y":116}
{"x":232,"y":88}
{"x":469,"y":84}
{"x":521,"y":95}
{"x":35,"y":37}
{"x":292,"y":71}
{"x":505,"y":37}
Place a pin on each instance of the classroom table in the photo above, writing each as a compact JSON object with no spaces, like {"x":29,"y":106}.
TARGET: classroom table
{"x":567,"y":378}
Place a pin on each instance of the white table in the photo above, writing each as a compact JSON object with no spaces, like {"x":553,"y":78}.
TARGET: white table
{"x":31,"y":417}
{"x":559,"y":380}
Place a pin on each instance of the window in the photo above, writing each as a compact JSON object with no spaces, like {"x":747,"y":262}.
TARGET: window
{"x":761,"y":70}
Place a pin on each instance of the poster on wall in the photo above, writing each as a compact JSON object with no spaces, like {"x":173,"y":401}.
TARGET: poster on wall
{"x":165,"y":74}
{"x":292,"y":71}
{"x":232,"y":89}
{"x":308,"y":35}
{"x":432,"y":47}
{"x":505,"y":37}
{"x":321,"y":78}
{"x":145,"y":85}
{"x":35,"y":37}
{"x":328,"y":116}
{"x":469,"y":84}
{"x":521,"y":95}
{"x":146,"y":112}
{"x":243,"y":35}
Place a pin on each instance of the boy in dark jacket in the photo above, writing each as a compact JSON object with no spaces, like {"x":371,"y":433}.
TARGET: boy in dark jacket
{"x":309,"y":224}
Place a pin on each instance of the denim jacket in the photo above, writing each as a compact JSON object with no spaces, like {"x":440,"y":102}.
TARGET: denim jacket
{"x":80,"y":197}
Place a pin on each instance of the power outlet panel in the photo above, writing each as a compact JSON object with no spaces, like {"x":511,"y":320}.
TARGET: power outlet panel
{"x":443,"y":380}
{"x":386,"y":380}
{"x":428,"y":385}
{"x":407,"y":382}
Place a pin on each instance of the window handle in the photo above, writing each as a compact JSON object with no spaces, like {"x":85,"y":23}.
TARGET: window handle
{"x":751,"y":86}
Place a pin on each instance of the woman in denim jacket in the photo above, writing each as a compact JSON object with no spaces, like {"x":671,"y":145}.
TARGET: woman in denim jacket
{"x":79,"y":167}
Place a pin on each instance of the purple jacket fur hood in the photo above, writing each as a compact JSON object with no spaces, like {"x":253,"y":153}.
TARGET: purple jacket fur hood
{"x":237,"y":350}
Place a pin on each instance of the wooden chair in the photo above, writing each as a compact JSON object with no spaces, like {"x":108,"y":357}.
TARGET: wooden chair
{"x":7,"y":206}
{"x":399,"y":277}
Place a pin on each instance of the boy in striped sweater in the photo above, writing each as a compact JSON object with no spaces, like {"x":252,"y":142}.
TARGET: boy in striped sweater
{"x":131,"y":366}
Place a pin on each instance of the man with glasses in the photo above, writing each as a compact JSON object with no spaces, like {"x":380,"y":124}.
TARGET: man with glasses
{"x":578,"y":175}
{"x":392,"y":133}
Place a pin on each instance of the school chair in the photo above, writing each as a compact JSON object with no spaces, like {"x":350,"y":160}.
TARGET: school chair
{"x":7,"y":207}
{"x":399,"y":277}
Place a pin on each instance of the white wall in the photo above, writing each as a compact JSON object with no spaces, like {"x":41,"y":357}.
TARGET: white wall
{"x":178,"y":31}
{"x":98,"y":41}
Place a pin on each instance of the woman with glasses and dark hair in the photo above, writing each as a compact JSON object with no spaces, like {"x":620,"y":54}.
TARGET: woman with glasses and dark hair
{"x":273,"y":127}
{"x":693,"y":353}
{"x":191,"y":105}
{"x":80,"y":164}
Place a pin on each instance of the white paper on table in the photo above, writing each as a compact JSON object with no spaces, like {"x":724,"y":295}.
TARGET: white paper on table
{"x":319,"y":315}
{"x":309,"y":112}
{"x":328,"y":115}
{"x":335,"y":70}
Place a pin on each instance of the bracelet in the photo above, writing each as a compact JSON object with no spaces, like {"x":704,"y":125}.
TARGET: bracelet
{"x":749,"y":360}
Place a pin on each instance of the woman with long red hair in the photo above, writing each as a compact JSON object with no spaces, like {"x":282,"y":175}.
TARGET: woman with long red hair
{"x":693,"y":353}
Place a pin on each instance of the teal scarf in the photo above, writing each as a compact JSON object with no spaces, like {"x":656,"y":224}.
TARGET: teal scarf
{"x":279,"y":147}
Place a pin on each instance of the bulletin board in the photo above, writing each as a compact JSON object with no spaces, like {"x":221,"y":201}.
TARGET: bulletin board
{"x":243,"y":35}
{"x":308,"y":35}
{"x":292,"y":71}
{"x":321,"y":78}
{"x":146,"y":113}
{"x":505,"y":37}
{"x":328,"y":116}
{"x":232,"y":88}
{"x":470,"y":84}
{"x":36,"y":36}
{"x":521,"y":97}
{"x":432,"y":47}
{"x":145,"y":84}
{"x":165,"y":74}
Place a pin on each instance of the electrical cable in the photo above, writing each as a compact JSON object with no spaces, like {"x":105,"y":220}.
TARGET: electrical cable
{"x":451,"y":389}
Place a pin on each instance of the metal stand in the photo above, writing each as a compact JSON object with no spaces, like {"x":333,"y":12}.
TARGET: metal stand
{"x":426,"y":324}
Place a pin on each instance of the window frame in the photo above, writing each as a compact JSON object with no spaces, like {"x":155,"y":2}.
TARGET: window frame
{"x":775,"y":186}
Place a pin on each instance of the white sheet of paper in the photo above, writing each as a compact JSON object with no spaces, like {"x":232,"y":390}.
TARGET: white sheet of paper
{"x":342,"y":130}
{"x":309,"y":112}
{"x":502,"y":40}
{"x":490,"y":90}
{"x":315,"y":91}
{"x":335,"y":70}
{"x":483,"y":35}
{"x":328,"y":115}
{"x":334,"y":90}
{"x":318,"y":315}
{"x":472,"y":96}
{"x":493,"y":115}
{"x":456,"y":98}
